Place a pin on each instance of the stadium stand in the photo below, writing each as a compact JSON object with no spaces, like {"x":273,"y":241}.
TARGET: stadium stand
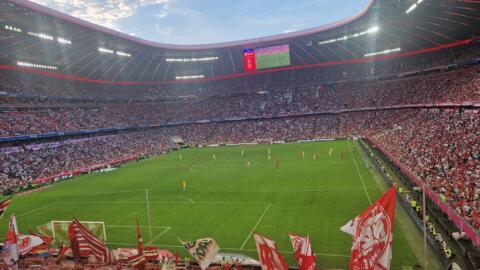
{"x":424,"y":109}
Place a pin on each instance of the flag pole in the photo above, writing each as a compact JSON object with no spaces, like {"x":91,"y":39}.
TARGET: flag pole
{"x":424,"y":228}
{"x":148,"y":214}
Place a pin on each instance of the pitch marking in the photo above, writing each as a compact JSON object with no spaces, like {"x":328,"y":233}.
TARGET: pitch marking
{"x":359,"y":174}
{"x":35,"y":210}
{"x":256,"y":225}
{"x":160,"y":234}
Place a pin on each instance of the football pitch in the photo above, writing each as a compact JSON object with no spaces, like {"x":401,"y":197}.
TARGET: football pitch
{"x":229,"y":198}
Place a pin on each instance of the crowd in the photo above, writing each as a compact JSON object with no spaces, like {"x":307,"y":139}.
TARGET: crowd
{"x":457,"y":85}
{"x":21,"y":165}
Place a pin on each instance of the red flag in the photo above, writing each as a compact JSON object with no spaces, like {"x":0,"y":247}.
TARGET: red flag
{"x":268,"y":254}
{"x":372,"y":234}
{"x":10,"y":251}
{"x":84,"y":243}
{"x":150,"y":253}
{"x":61,"y":254}
{"x":303,"y":252}
{"x":3,"y":206}
{"x":137,"y":261}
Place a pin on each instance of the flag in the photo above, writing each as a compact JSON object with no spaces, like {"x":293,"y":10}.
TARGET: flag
{"x":372,"y":234}
{"x":62,"y":252}
{"x":10,"y":251}
{"x":303,"y":252}
{"x":84,"y":243}
{"x":137,"y":261}
{"x":3,"y":206}
{"x":47,"y":240}
{"x":268,"y":254}
{"x":203,"y":250}
{"x":27,"y":243}
{"x":150,"y":253}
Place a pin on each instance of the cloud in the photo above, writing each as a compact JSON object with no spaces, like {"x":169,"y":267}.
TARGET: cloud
{"x":103,"y":12}
{"x":293,"y":28}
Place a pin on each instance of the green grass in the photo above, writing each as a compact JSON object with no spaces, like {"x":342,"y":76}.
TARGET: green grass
{"x":225,"y":200}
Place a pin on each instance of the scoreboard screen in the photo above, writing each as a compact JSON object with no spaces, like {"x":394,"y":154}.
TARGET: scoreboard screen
{"x":269,"y":57}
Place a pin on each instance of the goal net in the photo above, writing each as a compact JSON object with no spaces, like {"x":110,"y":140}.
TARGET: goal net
{"x":58,"y":229}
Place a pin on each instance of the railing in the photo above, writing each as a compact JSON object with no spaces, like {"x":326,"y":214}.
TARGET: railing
{"x":459,"y":221}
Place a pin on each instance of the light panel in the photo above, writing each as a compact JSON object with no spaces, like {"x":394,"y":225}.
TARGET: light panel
{"x":12,"y":28}
{"x":189,"y":77}
{"x":41,"y":35}
{"x":105,"y":50}
{"x":370,"y":30}
{"x":124,"y":54}
{"x":413,"y":6}
{"x":64,"y":41}
{"x":34,"y":65}
{"x":387,"y":51}
{"x":192,"y":59}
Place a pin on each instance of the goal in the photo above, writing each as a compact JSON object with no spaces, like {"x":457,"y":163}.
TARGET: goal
{"x":58,"y":229}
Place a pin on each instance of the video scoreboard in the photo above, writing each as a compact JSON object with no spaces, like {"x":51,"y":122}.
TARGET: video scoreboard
{"x":268,"y":57}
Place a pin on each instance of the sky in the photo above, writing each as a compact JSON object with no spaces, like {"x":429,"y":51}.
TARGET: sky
{"x":207,"y":21}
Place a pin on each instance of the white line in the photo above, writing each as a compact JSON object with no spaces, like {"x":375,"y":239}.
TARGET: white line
{"x":256,"y":225}
{"x":131,"y":226}
{"x":163,"y":203}
{"x":359,"y":174}
{"x":184,"y":198}
{"x":160,"y":234}
{"x":113,"y":192}
{"x":35,"y":210}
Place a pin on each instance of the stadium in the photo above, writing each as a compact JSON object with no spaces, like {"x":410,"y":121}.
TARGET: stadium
{"x":352,"y":145}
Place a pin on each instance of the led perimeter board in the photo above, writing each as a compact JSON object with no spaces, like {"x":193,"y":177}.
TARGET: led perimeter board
{"x":268,"y":57}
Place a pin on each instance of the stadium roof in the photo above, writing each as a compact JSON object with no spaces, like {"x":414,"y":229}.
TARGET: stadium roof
{"x":38,"y":38}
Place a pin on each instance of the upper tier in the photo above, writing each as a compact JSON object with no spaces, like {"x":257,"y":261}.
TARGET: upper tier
{"x":30,"y":33}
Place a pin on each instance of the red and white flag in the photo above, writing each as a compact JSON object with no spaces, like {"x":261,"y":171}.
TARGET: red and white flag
{"x":302,"y":250}
{"x":372,"y":233}
{"x":27,"y":243}
{"x":84,"y":243}
{"x":3,"y":206}
{"x":268,"y":254}
{"x":138,"y":261}
{"x":10,"y":251}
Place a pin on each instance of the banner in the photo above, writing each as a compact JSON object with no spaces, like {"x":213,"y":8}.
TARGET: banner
{"x":302,"y":250}
{"x":372,"y":233}
{"x":203,"y":250}
{"x":268,"y":254}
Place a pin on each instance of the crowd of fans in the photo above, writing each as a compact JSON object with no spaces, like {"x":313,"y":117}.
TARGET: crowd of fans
{"x":21,"y":165}
{"x":457,"y":85}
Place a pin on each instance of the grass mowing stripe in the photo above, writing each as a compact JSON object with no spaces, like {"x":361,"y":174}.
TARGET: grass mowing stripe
{"x":359,"y":174}
{"x":256,"y":225}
